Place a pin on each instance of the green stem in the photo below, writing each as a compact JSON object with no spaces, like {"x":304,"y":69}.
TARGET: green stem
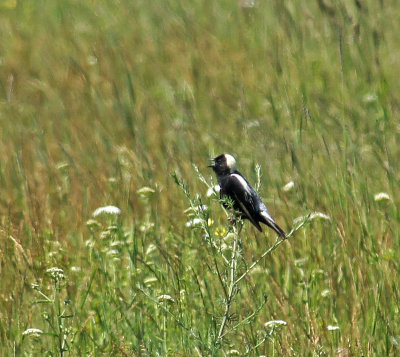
{"x":232,"y":286}
{"x":277,"y":243}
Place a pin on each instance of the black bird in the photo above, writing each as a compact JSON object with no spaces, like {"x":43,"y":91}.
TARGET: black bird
{"x":245,"y":199}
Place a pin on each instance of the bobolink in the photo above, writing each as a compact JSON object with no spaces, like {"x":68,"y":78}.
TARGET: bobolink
{"x":245,"y":199}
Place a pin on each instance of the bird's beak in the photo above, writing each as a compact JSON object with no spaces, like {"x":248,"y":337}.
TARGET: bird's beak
{"x":213,"y":164}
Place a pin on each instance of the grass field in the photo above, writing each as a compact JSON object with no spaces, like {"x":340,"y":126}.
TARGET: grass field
{"x":114,"y":103}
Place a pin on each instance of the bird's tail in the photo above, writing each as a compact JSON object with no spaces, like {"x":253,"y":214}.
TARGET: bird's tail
{"x":271,"y":223}
{"x":277,"y":229}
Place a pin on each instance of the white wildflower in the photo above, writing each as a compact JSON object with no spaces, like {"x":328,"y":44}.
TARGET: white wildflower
{"x":370,"y":97}
{"x":105,"y":235}
{"x":213,"y":190}
{"x":312,"y":216}
{"x":151,"y":280}
{"x":194,"y":222}
{"x":89,"y":243}
{"x":234,"y":353}
{"x":92,"y":223}
{"x":275,"y":323}
{"x":145,"y":192}
{"x":113,"y":210}
{"x":333,"y":328}
{"x":319,"y":215}
{"x":201,"y":208}
{"x":325,"y":292}
{"x":150,"y":249}
{"x":112,"y":228}
{"x":381,"y":196}
{"x":146,"y":226}
{"x":56,"y":273}
{"x":32,"y":332}
{"x":165,"y":297}
{"x":288,"y":186}
{"x":91,"y":60}
{"x":198,"y":208}
{"x":62,"y":166}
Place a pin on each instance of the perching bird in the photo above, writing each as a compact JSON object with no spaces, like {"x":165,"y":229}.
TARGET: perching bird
{"x":245,"y":199}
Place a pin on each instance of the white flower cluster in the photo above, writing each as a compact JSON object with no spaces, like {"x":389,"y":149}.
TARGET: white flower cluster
{"x":275,"y":323}
{"x":56,"y":273}
{"x":381,"y":196}
{"x":313,"y":216}
{"x":35,"y":332}
{"x":111,"y":210}
{"x":213,"y":190}
{"x":333,"y":328}
{"x":288,"y":186}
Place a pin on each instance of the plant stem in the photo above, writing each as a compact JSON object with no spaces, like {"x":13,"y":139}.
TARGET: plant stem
{"x":277,"y":243}
{"x":233,"y":282}
{"x":59,"y":318}
{"x":232,"y":286}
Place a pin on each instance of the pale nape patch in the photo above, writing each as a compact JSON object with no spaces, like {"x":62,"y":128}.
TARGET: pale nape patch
{"x":230,"y":162}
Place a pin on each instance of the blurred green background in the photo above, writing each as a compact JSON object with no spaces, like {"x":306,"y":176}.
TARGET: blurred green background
{"x":99,"y":99}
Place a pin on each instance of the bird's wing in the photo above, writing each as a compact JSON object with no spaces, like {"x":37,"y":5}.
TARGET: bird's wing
{"x":241,"y":192}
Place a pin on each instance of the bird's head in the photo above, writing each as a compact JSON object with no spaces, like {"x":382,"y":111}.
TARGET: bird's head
{"x":223,"y":164}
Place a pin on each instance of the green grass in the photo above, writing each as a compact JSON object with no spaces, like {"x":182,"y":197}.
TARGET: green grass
{"x":99,"y":99}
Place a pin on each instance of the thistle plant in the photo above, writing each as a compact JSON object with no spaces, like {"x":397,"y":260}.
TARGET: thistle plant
{"x":229,"y":264}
